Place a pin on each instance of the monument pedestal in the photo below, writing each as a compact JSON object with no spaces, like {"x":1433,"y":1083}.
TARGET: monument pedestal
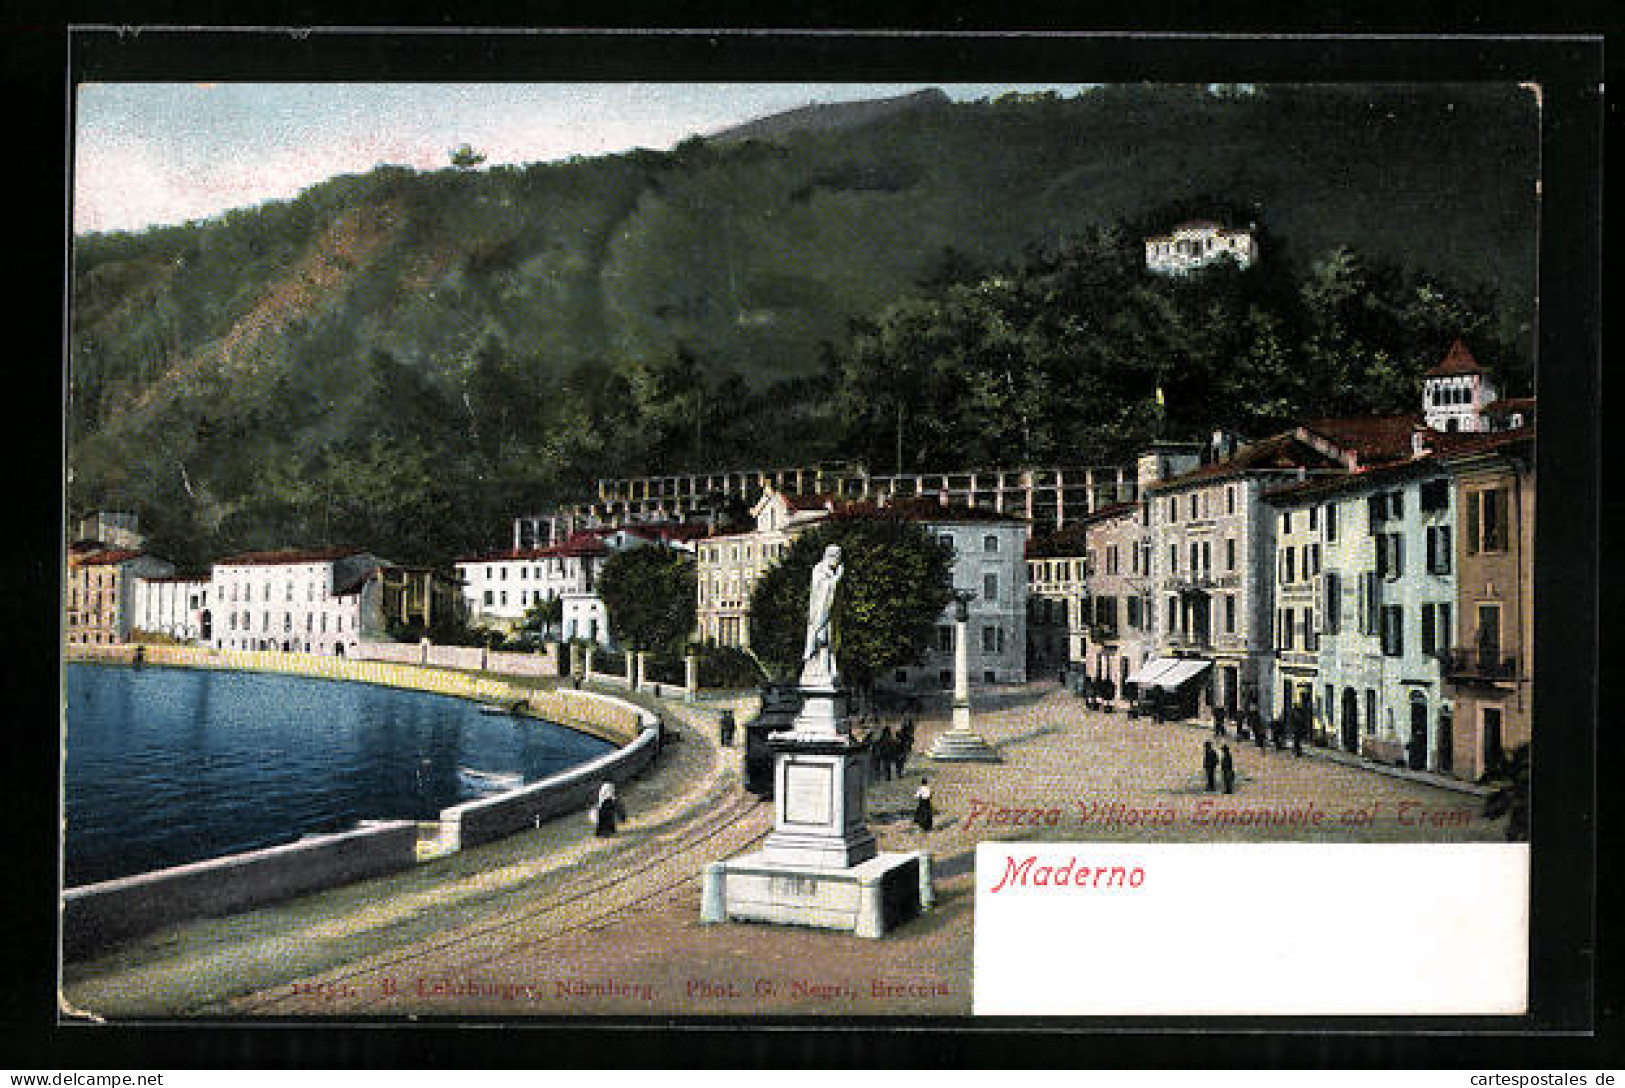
{"x":960,"y":745}
{"x":820,"y":865}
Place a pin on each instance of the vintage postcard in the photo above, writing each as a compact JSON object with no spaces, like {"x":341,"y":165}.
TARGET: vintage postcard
{"x":799,"y":549}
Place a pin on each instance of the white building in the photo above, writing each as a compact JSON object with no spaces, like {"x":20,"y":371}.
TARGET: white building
{"x":171,"y":606}
{"x":729,"y":566}
{"x":990,"y":567}
{"x":1197,"y":244}
{"x":321,"y":602}
{"x":1457,"y":393}
{"x":499,"y":587}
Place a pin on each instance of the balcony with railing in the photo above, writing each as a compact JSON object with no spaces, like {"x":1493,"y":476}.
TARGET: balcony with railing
{"x":1478,"y":663}
{"x":1191,"y":640}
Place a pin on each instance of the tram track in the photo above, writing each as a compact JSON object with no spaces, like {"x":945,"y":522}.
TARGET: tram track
{"x":585,"y":902}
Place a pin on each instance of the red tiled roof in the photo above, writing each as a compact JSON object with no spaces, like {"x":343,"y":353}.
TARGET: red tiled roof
{"x":1442,"y":448}
{"x":1116,"y":509}
{"x":101,"y":559}
{"x":676,"y":531}
{"x":585,"y":542}
{"x":1365,"y":477}
{"x":808,"y":502}
{"x":287,"y":557}
{"x":1507,"y":405}
{"x":1468,"y":443}
{"x":1458,"y":361}
{"x":1372,"y":439}
{"x":497,"y":557}
{"x":1279,"y":452}
{"x":920,"y":510}
{"x":577,"y":545}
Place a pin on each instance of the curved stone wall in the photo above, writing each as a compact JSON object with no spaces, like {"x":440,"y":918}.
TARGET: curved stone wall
{"x":97,"y":916}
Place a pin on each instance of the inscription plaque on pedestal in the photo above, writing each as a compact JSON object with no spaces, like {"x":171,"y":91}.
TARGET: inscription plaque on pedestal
{"x":807,"y":793}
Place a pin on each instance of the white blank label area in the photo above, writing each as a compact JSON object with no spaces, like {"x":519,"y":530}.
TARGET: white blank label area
{"x":1280,"y":929}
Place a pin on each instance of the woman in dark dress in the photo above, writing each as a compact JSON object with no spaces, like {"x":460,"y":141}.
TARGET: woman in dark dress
{"x":609,"y":810}
{"x":923,"y":812}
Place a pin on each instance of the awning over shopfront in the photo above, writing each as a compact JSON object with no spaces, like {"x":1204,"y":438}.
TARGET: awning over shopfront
{"x":1185,"y":669}
{"x":1148,"y":672}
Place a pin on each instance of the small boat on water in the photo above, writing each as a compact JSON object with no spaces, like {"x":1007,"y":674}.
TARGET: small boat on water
{"x":488,"y":781}
{"x":508,"y":709}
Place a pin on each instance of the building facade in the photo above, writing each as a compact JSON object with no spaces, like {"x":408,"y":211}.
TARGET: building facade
{"x":989,"y":566}
{"x":1489,"y":666}
{"x":1057,"y":598}
{"x":1213,"y":576}
{"x":728,"y":566}
{"x":306,"y":601}
{"x":989,"y":569}
{"x":1198,"y":244}
{"x":1457,"y":393}
{"x":1384,"y":600}
{"x":1117,"y":613}
{"x":100,"y":587}
{"x":172,"y":607}
{"x":1299,"y":604}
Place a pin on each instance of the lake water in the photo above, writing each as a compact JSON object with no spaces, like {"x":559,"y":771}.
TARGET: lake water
{"x":167,"y":766}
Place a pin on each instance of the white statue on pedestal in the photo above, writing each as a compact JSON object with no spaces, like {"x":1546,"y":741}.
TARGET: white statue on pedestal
{"x":818,"y":668}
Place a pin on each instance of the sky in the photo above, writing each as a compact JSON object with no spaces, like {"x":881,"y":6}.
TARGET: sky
{"x":156,"y":153}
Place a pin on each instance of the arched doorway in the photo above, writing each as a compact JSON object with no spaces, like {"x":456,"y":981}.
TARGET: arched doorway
{"x":1351,"y":720}
{"x":206,"y":625}
{"x":338,"y":649}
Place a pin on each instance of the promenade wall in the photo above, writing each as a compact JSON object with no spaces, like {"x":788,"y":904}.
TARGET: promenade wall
{"x":569,"y":792}
{"x":544,"y":662}
{"x":98,"y":916}
{"x":609,"y":719}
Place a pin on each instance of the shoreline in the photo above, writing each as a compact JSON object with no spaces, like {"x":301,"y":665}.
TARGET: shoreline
{"x":102,"y":916}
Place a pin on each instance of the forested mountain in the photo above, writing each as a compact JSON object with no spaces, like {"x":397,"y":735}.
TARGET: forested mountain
{"x":404,"y":359}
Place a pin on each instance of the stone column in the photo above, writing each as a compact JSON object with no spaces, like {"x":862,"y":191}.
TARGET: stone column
{"x":642,"y":663}
{"x":631,"y":669}
{"x":959,"y":744}
{"x":587,"y":654}
{"x":691,"y":678}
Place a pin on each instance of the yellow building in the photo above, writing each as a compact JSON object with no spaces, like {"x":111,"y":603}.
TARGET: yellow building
{"x":99,"y":592}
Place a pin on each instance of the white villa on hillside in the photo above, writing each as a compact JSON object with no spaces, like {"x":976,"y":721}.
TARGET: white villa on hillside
{"x":1197,"y":244}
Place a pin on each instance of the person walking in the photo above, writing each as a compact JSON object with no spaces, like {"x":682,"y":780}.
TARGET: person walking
{"x":1299,"y":728}
{"x":1227,"y":770}
{"x":886,"y":752}
{"x":725,"y":729}
{"x":608,"y":811}
{"x":1257,"y":724}
{"x":1210,"y":762}
{"x":924,"y":813}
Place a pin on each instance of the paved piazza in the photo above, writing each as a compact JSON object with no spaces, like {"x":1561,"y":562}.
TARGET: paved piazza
{"x":556,"y":923}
